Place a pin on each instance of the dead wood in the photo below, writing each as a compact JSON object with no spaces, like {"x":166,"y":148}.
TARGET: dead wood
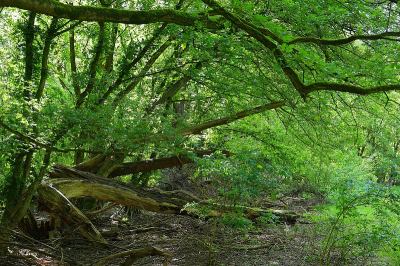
{"x":59,"y":206}
{"x":91,"y":163}
{"x":75,"y":184}
{"x":138,"y":199}
{"x":28,"y":225}
{"x":60,"y":257}
{"x":134,"y":255}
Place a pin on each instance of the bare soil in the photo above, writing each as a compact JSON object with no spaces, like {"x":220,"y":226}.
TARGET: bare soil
{"x":189,"y":241}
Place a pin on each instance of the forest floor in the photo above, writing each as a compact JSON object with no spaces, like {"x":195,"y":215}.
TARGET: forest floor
{"x":191,"y":242}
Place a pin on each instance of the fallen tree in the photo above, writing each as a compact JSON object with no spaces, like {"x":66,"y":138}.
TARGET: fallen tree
{"x":72,"y":183}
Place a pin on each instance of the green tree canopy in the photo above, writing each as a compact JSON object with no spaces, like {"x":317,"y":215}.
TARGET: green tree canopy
{"x":114,"y":82}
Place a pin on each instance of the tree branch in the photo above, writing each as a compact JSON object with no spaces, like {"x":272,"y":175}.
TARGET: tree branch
{"x":125,"y":70}
{"x":156,"y":164}
{"x":144,"y":70}
{"x":263,"y":36}
{"x":93,"y":67}
{"x":174,"y":88}
{"x":326,"y":86}
{"x":350,"y":39}
{"x":135,"y":254}
{"x":102,"y":14}
{"x":229,"y":119}
{"x":214,"y":123}
{"x":45,"y":58}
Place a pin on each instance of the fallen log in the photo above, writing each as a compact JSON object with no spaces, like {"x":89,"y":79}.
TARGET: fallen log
{"x":129,"y":168}
{"x":155,"y":202}
{"x":77,"y":184}
{"x":54,"y":199}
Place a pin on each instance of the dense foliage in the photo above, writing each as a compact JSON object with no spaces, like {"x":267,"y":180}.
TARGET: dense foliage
{"x":130,"y":79}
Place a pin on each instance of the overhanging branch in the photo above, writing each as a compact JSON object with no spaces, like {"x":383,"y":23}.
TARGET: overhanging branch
{"x":214,"y":123}
{"x":350,"y":39}
{"x":326,"y":86}
{"x":155,"y":164}
{"x":263,"y":36}
{"x":229,"y":119}
{"x":102,"y":14}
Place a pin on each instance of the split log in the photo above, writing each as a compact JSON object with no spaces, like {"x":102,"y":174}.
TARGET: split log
{"x":59,"y":206}
{"x":74,"y":183}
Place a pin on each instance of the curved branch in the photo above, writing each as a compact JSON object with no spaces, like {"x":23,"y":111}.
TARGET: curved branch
{"x":103,"y":14}
{"x":350,"y":39}
{"x":45,"y":58}
{"x":125,"y":70}
{"x":154,"y":57}
{"x":197,"y":129}
{"x":326,"y":86}
{"x":263,"y":37}
{"x":226,"y":120}
{"x":93,"y":67}
{"x":156,"y":164}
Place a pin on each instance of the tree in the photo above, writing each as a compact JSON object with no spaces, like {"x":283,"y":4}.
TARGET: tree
{"x":115,"y":82}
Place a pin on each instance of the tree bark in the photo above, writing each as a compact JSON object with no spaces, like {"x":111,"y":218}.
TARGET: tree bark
{"x":59,"y":206}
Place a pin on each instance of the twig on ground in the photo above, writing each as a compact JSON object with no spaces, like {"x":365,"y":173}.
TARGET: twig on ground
{"x":134,"y":255}
{"x":72,"y":262}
